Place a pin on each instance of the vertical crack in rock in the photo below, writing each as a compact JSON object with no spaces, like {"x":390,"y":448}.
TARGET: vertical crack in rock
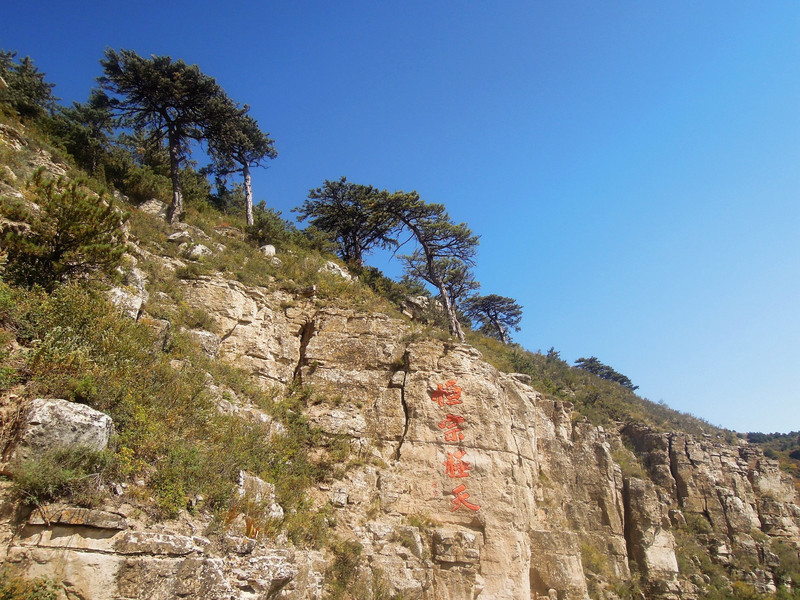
{"x":729,"y":526}
{"x":306,"y":333}
{"x":627,"y":524}
{"x":406,"y":411}
{"x":229,"y":334}
{"x":405,"y":426}
{"x":673,"y":469}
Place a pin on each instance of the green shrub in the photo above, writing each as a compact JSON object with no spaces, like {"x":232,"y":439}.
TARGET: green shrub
{"x":343,"y":571}
{"x":16,"y":588}
{"x":628,"y":462}
{"x":139,"y":182}
{"x":788,"y":572}
{"x":268,"y":227}
{"x":71,"y":473}
{"x":72,"y":233}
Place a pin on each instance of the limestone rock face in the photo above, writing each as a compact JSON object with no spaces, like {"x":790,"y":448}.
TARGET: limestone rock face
{"x":261,"y":330}
{"x":470,"y":484}
{"x":651,"y":540}
{"x":335,"y":269}
{"x":131,"y":297}
{"x":154,"y":207}
{"x":54,"y":423}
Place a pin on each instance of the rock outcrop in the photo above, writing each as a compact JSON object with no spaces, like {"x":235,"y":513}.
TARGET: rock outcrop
{"x":474,"y":485}
{"x":56,"y":423}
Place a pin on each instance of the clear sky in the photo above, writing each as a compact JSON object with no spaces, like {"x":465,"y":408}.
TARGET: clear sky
{"x":633,"y":168}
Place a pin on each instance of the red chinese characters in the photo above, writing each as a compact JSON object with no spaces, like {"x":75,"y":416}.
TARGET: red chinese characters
{"x":455,"y":466}
{"x":449,"y":394}
{"x":461,"y":497}
{"x":452,"y":433}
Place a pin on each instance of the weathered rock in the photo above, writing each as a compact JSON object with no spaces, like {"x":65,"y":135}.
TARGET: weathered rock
{"x":419,"y":308}
{"x":154,"y":207}
{"x":55,"y":423}
{"x":161,"y":330}
{"x":261,"y":330}
{"x":652,"y":545}
{"x":336,"y":269}
{"x":12,"y":137}
{"x":261,"y":492}
{"x":43,"y":159}
{"x":6,"y":174}
{"x":209,"y":342}
{"x":70,"y":515}
{"x":146,"y":542}
{"x":194,"y":251}
{"x":131,"y":297}
{"x":180,"y":237}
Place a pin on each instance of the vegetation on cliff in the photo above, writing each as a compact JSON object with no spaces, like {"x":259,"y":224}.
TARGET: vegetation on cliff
{"x":63,"y":238}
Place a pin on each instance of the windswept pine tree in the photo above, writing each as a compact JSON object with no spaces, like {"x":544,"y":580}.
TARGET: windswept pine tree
{"x":236,"y":145}
{"x":440,"y":243}
{"x":495,"y":314}
{"x":167,"y":97}
{"x":351,"y":214}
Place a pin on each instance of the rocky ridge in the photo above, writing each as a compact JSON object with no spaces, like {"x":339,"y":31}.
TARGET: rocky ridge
{"x":475,"y":485}
{"x":470,"y":484}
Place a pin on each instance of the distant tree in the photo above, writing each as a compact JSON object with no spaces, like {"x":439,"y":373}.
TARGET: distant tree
{"x":594,"y":366}
{"x":496,"y":314}
{"x":438,"y":238}
{"x":236,"y":144}
{"x":350,"y":213}
{"x":457,"y":277}
{"x":26,"y":91}
{"x":171,"y":99}
{"x":85,"y":129}
{"x":72,"y":233}
{"x":553,"y":354}
{"x":269,"y":227}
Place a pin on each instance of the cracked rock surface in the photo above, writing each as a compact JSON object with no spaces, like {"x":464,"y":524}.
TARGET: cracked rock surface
{"x":477,"y":487}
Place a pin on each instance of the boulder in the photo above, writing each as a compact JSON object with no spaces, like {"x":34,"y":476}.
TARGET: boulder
{"x":195,"y":251}
{"x":209,"y":342}
{"x":154,"y":207}
{"x":335,"y":269}
{"x":131,"y":297}
{"x":179,"y":237}
{"x":55,"y":423}
{"x":260,"y":491}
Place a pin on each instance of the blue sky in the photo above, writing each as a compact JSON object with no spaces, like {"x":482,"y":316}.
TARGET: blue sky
{"x":633,"y":168}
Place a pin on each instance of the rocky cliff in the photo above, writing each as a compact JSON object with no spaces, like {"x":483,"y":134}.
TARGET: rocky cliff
{"x":462,"y":482}
{"x":470,"y":483}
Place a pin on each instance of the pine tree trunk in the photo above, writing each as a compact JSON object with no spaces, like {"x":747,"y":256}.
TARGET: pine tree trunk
{"x":176,"y":208}
{"x":248,"y":193}
{"x":503,"y":335}
{"x":455,"y":326}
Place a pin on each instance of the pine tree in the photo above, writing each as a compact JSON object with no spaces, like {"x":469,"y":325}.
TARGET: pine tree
{"x":72,"y":233}
{"x":26,"y":91}
{"x":236,"y":144}
{"x":84,"y":129}
{"x":350,"y":213}
{"x":171,"y":99}
{"x":438,"y":238}
{"x":496,"y":315}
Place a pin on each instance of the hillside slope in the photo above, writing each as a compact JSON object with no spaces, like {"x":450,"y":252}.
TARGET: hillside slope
{"x":281,"y":431}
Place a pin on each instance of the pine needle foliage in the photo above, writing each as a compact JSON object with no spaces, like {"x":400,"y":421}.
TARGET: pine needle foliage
{"x":71,"y":232}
